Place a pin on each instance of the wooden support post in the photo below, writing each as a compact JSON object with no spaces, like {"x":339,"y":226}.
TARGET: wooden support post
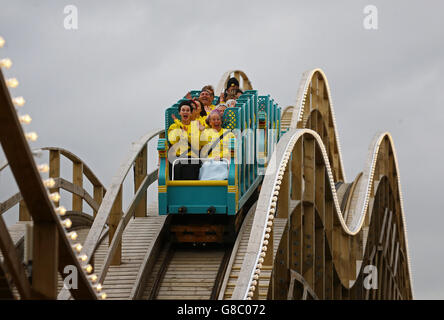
{"x":54,"y":169}
{"x":45,"y":259}
{"x":114,"y":219}
{"x":308,"y":244}
{"x":98,"y":197}
{"x":319,"y":251}
{"x":23,"y":212}
{"x":284,"y":196}
{"x":77,"y":179}
{"x":13,"y":263}
{"x":337,"y":295}
{"x":295,"y":241}
{"x":140,"y":172}
{"x":296,"y":172}
{"x":329,"y":211}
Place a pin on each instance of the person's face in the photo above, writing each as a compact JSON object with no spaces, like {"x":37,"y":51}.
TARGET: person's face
{"x":215,"y":121}
{"x":232,"y":90}
{"x":185,"y":113}
{"x":206,"y":98}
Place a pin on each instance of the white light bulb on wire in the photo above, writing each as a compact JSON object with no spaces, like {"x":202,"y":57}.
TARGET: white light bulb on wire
{"x":78,"y":247}
{"x":2,"y":42}
{"x":61,"y":210}
{"x":12,"y":83}
{"x":25,"y":119}
{"x":31,"y":136}
{"x":88,"y":268}
{"x":6,"y":63}
{"x":43,"y":168}
{"x":73,"y":235}
{"x":49,"y":183}
{"x":83,"y":257}
{"x":55,"y":196}
{"x":67,"y":223}
{"x":19,"y":101}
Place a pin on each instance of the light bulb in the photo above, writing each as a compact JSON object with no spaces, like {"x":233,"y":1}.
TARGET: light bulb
{"x":83,"y":257}
{"x":67,"y":223}
{"x":98,"y":287}
{"x":78,"y":247}
{"x":54,"y":196}
{"x":61,"y":210}
{"x":49,"y":183}
{"x":43,"y":168}
{"x":88,"y":268}
{"x":93,"y":278}
{"x":12,"y":83}
{"x":25,"y":119}
{"x":31,"y":136}
{"x":19,"y":101}
{"x":2,"y":42}
{"x":73,"y":235}
{"x":103,"y":296}
{"x":6,"y":63}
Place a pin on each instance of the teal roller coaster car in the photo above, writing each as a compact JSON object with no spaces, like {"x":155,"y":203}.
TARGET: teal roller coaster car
{"x":197,"y":206}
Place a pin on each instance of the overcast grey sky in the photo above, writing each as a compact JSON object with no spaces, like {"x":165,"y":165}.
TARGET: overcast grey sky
{"x":96,"y":89}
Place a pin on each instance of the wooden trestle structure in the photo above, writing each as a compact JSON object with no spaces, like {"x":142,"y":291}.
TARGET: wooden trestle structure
{"x":309,"y":235}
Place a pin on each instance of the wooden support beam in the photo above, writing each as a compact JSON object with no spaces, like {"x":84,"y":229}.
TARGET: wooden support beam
{"x":77,"y":180}
{"x":13,"y":263}
{"x":54,"y":169}
{"x":45,"y":259}
{"x":283,"y":204}
{"x":140,"y":172}
{"x":23,"y":212}
{"x":114,"y":219}
{"x":295,"y":240}
{"x":308,"y":244}
{"x":296,"y":171}
{"x":319,"y":252}
{"x":98,"y":197}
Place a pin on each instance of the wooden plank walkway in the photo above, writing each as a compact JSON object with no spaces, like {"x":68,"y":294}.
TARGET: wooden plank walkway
{"x":137,"y":238}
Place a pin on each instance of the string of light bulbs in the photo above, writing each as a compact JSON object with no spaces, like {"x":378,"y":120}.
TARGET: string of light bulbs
{"x":49,"y":183}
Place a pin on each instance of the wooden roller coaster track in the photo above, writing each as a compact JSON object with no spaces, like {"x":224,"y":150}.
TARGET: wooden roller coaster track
{"x":308,"y":235}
